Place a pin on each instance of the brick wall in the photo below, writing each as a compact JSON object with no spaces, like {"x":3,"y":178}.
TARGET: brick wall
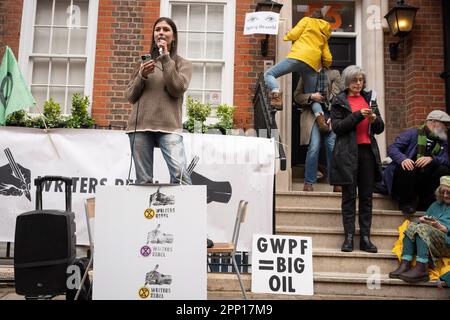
{"x":413,"y":85}
{"x":124,"y":32}
{"x":10,"y":22}
{"x":248,"y":64}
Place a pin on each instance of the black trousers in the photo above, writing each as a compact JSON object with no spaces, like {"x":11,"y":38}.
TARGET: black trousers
{"x":416,"y":188}
{"x":364,"y":181}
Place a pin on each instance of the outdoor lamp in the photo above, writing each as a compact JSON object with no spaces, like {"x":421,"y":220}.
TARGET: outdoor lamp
{"x":400,"y":20}
{"x":270,"y":6}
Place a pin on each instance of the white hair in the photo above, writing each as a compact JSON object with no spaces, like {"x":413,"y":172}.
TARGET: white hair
{"x":353,"y":72}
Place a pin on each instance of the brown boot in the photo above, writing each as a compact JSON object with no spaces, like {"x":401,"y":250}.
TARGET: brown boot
{"x":417,"y":274}
{"x":276,"y":100}
{"x":403,"y":267}
{"x":337,"y":189}
{"x":321,"y":122}
{"x":308,"y":187}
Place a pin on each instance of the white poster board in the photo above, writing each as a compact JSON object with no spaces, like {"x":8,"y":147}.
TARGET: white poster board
{"x":262,"y":22}
{"x":150,"y":243}
{"x":282,"y":265}
{"x":234,"y":168}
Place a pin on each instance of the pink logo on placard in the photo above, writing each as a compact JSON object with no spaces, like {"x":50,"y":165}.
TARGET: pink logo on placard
{"x":146,"y":251}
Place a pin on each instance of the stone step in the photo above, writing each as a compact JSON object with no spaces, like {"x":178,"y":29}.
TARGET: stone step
{"x":330,"y":285}
{"x":332,"y":217}
{"x":333,"y":237}
{"x":297,"y":199}
{"x":334,"y":260}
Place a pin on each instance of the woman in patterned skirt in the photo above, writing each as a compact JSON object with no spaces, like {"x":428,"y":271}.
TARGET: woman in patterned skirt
{"x":427,"y":239}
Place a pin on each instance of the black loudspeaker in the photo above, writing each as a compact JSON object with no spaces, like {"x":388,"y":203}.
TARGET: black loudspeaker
{"x":44,"y":246}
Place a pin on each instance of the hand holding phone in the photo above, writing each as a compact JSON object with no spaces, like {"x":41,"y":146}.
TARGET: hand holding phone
{"x":147,"y":65}
{"x":146,"y":57}
{"x":429,"y":218}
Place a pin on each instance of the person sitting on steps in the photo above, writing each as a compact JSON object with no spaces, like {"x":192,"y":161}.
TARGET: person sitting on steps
{"x":427,"y":238}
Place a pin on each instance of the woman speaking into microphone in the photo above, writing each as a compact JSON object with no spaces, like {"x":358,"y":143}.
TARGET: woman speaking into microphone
{"x":156,"y":91}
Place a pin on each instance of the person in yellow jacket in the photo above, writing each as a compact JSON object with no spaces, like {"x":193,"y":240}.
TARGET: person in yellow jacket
{"x":309,"y":53}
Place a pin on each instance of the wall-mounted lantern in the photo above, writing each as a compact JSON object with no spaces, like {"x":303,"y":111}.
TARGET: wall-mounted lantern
{"x":401,"y":21}
{"x":270,"y":6}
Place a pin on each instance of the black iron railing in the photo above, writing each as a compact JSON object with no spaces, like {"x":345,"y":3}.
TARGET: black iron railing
{"x":266,"y":126}
{"x":264,"y":119}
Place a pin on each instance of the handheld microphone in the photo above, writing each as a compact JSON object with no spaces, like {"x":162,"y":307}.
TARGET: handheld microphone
{"x":160,"y":47}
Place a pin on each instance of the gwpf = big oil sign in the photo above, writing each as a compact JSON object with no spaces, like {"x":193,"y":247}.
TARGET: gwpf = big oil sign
{"x":282,"y":265}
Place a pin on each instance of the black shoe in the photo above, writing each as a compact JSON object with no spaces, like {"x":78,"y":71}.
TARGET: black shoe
{"x":347,"y":246}
{"x":403,"y":267}
{"x":366,"y":245}
{"x":417,"y":274}
{"x":209,"y":243}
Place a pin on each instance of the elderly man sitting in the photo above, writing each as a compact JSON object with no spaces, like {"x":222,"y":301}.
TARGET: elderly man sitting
{"x":419,"y":158}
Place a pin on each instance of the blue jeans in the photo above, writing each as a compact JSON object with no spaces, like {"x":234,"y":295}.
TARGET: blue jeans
{"x":312,"y":156}
{"x":288,"y":65}
{"x":316,"y":108}
{"x":172,"y":149}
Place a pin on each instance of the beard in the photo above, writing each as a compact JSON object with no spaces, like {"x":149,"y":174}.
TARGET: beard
{"x":441,"y":133}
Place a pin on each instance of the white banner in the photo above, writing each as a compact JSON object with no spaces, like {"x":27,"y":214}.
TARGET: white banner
{"x":262,"y":22}
{"x":150,"y":243}
{"x":234,"y":168}
{"x":282,"y":264}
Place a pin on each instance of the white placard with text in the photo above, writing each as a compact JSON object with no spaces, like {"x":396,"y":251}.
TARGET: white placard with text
{"x":282,"y":265}
{"x":150,"y":243}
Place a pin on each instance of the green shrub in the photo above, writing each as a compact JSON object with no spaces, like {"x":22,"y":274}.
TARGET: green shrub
{"x":80,"y":117}
{"x":19,"y":118}
{"x":52,"y":114}
{"x":225,"y":114}
{"x":197,"y":113}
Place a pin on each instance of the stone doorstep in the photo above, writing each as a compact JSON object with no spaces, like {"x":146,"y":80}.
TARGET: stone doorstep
{"x":7,"y":291}
{"x":219,"y":284}
{"x":312,"y":210}
{"x":336,"y":277}
{"x":335,"y":231}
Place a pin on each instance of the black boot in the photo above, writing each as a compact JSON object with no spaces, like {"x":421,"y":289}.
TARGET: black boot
{"x":347,"y":246}
{"x":366,"y":245}
{"x":403,"y":267}
{"x":417,"y":274}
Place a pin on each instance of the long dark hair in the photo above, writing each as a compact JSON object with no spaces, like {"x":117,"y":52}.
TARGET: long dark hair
{"x":173,"y":46}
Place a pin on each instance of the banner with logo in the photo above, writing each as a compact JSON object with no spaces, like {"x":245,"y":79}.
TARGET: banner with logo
{"x":150,"y":243}
{"x":233,"y":168}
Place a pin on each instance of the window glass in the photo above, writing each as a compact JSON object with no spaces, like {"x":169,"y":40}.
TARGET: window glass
{"x":201,"y":38}
{"x":340,"y":14}
{"x":60,"y":30}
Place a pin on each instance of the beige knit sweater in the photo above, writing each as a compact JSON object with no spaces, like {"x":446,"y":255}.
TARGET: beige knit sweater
{"x":159,"y":97}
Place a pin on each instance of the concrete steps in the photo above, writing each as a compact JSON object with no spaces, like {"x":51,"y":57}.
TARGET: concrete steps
{"x":331,"y":238}
{"x":300,"y":199}
{"x":332,"y":217}
{"x":332,"y":286}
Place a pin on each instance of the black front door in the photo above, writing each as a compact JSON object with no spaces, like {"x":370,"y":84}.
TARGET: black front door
{"x":344,"y":54}
{"x":446,"y":73}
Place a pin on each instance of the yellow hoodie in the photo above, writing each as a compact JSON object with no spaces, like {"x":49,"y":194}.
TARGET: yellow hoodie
{"x":310,"y":42}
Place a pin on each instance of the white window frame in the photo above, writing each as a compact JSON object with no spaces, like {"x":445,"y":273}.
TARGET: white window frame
{"x":27,"y":37}
{"x":355,"y":34}
{"x":228,"y":43}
